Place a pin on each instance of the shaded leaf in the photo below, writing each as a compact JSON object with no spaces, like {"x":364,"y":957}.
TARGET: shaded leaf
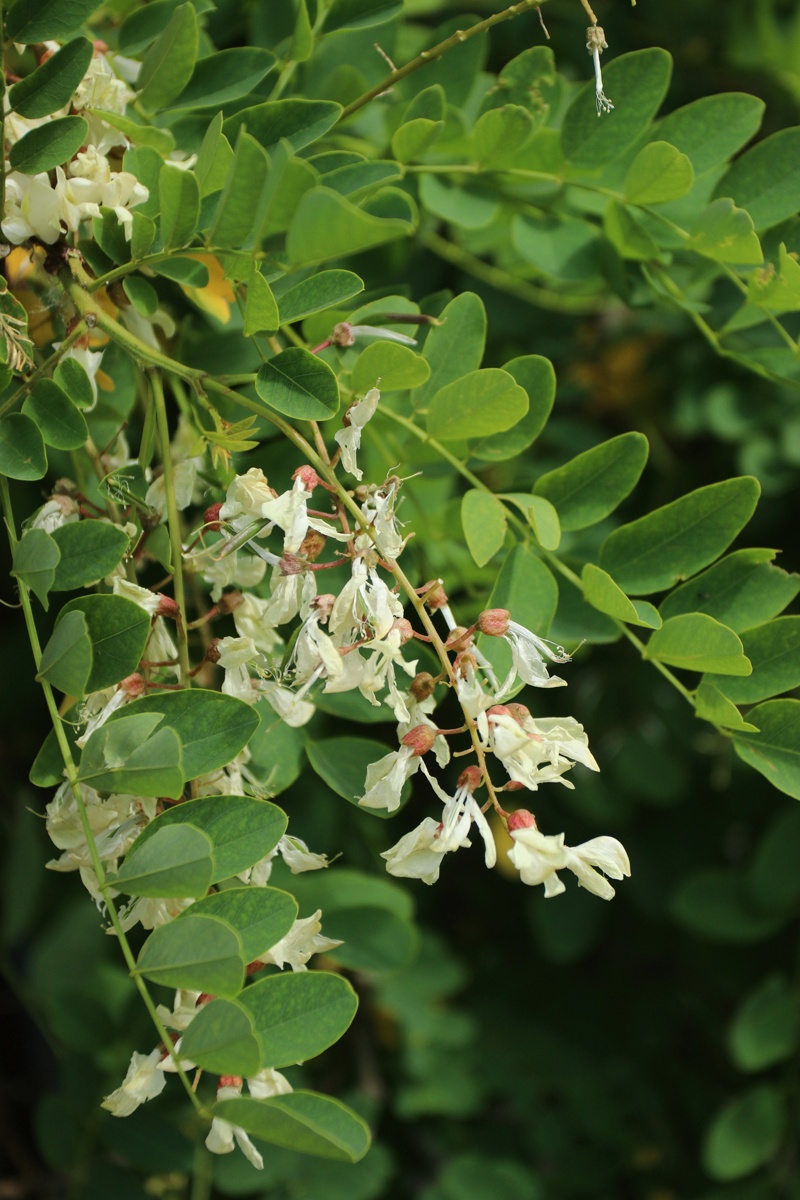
{"x":305,"y":1122}
{"x":696,"y":642}
{"x":201,"y":953}
{"x":299,"y":384}
{"x":176,"y":861}
{"x":47,"y":146}
{"x":299,"y":1015}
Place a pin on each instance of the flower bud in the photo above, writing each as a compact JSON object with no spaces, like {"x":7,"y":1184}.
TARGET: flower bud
{"x":167,"y":607}
{"x":494,"y":621}
{"x":133,"y":685}
{"x":228,"y":601}
{"x":405,"y":629}
{"x":290,"y":564}
{"x":519,"y":712}
{"x":422,"y":686}
{"x":463,"y":661}
{"x":234,"y":1081}
{"x":312,"y":545}
{"x":420,"y":739}
{"x":342,"y":334}
{"x":212,"y":650}
{"x":521,"y":819}
{"x":308,"y":477}
{"x":499,"y":710}
{"x":324,"y":604}
{"x":471,"y":778}
{"x":458,"y":639}
{"x":211,"y":516}
{"x":433,"y":595}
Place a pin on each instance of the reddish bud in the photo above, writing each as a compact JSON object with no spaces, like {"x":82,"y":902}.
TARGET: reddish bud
{"x":422,"y":686}
{"x":458,"y":639}
{"x":228,"y":601}
{"x":211,"y":516}
{"x":167,"y":607}
{"x":405,"y":628}
{"x":519,"y":712}
{"x":463,"y":661}
{"x":471,"y":778}
{"x":521,"y":819}
{"x":290,"y":564}
{"x":420,"y":739}
{"x":204,"y":998}
{"x":308,"y":476}
{"x":342,"y":334}
{"x":100,"y":47}
{"x":133,"y":685}
{"x":229,"y":1081}
{"x":513,"y":785}
{"x":212,"y":650}
{"x":433,"y":595}
{"x":494,"y":621}
{"x":312,"y":545}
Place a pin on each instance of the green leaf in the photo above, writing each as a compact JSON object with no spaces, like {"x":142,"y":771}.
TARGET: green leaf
{"x":168,"y":65}
{"x":300,"y":122}
{"x":109,"y":233}
{"x":711,"y":705}
{"x":775,"y":749}
{"x":305,"y":1122}
{"x":71,"y":377}
{"x":745,"y":1134}
{"x":176,"y":861}
{"x":389,"y":366}
{"x":528,"y":590}
{"x":375,"y":939}
{"x":565,"y":250}
{"x":623,"y":228}
{"x":637,"y":83}
{"x":212,"y":727}
{"x":500,"y":134}
{"x":536,"y":375}
{"x":766,"y":179}
{"x":414,"y":137}
{"x":51,"y":86}
{"x":142,"y":295}
{"x":716,"y":904}
{"x":483,"y":519}
{"x":455,"y":347}
{"x":240,"y":201}
{"x":742,"y":590}
{"x":303,"y":37}
{"x":347,"y":889}
{"x":726,"y":234}
{"x":764,"y":1029}
{"x":776,"y":291}
{"x":36,"y":557}
{"x":477,"y":404}
{"x":22,"y":452}
{"x":774,"y":882}
{"x":160,"y":140}
{"x":61,"y":424}
{"x":342,"y":763}
{"x":67,"y":658}
{"x":242,"y":830}
{"x":696,"y":642}
{"x":710,"y":130}
{"x":591,"y":485}
{"x":214,"y":159}
{"x":360,"y":14}
{"x":47,"y":20}
{"x":188,"y":271}
{"x":327,"y":225}
{"x":679,"y":539}
{"x":132,"y":755}
{"x":774,"y":650}
{"x":540,"y":515}
{"x":201,"y":953}
{"x":261,"y":310}
{"x":277,"y":753}
{"x":221,"y":1038}
{"x":300,"y":385}
{"x":89,"y":550}
{"x":468,"y":204}
{"x":260,"y":915}
{"x":297,"y":1016}
{"x":118,"y":629}
{"x":180,"y":206}
{"x":225,"y":75}
{"x":600,"y":590}
{"x":658,"y":173}
{"x":47,"y":146}
{"x":322,"y":290}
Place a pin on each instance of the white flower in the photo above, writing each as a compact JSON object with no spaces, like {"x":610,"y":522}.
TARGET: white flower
{"x":288,"y":511}
{"x":385,"y":779}
{"x":143,"y":1082}
{"x":151,"y":913}
{"x":245,"y":497}
{"x":289,"y":707}
{"x":378,"y":512}
{"x":297,"y":856}
{"x":459,"y":812}
{"x":184,"y":474}
{"x":251,"y":616}
{"x":538,"y":857}
{"x":221,"y":1136}
{"x":349,"y":438}
{"x":91,"y":183}
{"x":268,"y":1083}
{"x":302,"y":941}
{"x":526,"y":652}
{"x":234,"y":653}
{"x":33,"y":209}
{"x":538,"y":751}
{"x":57,"y":511}
{"x":184,"y":1009}
{"x":416,"y":855}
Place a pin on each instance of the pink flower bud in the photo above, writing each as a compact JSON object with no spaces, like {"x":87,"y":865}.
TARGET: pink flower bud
{"x":433,"y":595}
{"x":212,"y":650}
{"x":229,"y":1081}
{"x":211,"y":516}
{"x":499,"y":710}
{"x":521,"y":819}
{"x":308,"y":476}
{"x":405,"y":628}
{"x":133,"y":685}
{"x":458,"y":639}
{"x":228,"y":601}
{"x":463,"y":662}
{"x":290,"y":564}
{"x":470,"y":778}
{"x":494,"y":621}
{"x":419,"y":740}
{"x":519,"y":712}
{"x":167,"y":607}
{"x":342,"y":334}
{"x":422,"y":686}
{"x":312,"y":545}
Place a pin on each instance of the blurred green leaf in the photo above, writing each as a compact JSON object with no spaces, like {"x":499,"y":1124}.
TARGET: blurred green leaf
{"x":764,"y":1029}
{"x":745,"y":1133}
{"x":483,"y":519}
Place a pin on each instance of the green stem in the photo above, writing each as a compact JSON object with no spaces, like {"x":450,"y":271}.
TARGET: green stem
{"x":504,"y":281}
{"x":47,"y":365}
{"x":427,"y":56}
{"x":174,"y":525}
{"x":71,"y":772}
